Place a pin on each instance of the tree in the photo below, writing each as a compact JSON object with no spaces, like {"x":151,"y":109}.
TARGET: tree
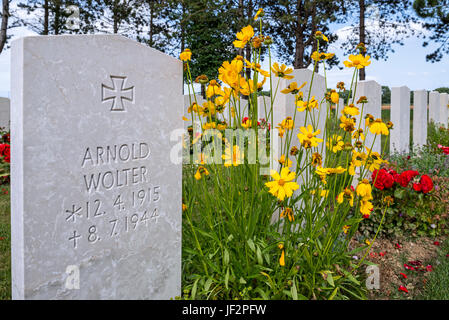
{"x":292,"y":25}
{"x":436,"y":15}
{"x":379,"y":24}
{"x":47,"y":17}
{"x":4,"y":25}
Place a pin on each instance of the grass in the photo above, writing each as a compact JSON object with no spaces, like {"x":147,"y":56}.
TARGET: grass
{"x":5,"y":244}
{"x":436,"y":287}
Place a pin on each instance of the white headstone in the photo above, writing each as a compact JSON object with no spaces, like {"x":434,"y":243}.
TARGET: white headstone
{"x":420,"y":118}
{"x":96,"y":201}
{"x":400,"y":116}
{"x":444,"y":100}
{"x":373,"y":92}
{"x":4,"y":113}
{"x":434,"y":107}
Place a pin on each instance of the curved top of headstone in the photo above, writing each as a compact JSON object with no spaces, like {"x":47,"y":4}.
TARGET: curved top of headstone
{"x":93,"y":38}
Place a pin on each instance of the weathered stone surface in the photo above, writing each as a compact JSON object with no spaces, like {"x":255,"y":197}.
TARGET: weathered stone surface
{"x":434,"y":107}
{"x":94,"y":193}
{"x":5,"y":114}
{"x":373,"y":92}
{"x":444,"y":100}
{"x":420,"y":118}
{"x":400,"y":116}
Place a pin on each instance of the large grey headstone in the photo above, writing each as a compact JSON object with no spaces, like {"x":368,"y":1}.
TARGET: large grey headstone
{"x":96,"y":201}
{"x":4,"y":113}
{"x":434,"y":107}
{"x":444,"y":100}
{"x":420,"y":118}
{"x":400,"y":116}
{"x":373,"y":92}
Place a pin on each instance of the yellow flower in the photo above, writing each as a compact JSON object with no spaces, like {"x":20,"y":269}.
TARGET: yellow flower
{"x":320,"y":36}
{"x":378,"y":127}
{"x":320,"y":56}
{"x":346,"y":194}
{"x":368,"y":242}
{"x":287,"y":123}
{"x":282,"y":258}
{"x":346,"y":228}
{"x":358,"y":134}
{"x":365,"y":208}
{"x":247,"y":123}
{"x":364,"y":190}
{"x":322,"y":173}
{"x":307,"y":137}
{"x":259,"y":13}
{"x":232,"y":157}
{"x":244,"y":36}
{"x":213,"y":89}
{"x":282,"y":71}
{"x":288,"y":212}
{"x":200,"y":172}
{"x":286,"y":163}
{"x":293,"y":88}
{"x":184,"y":207}
{"x":186,"y":55}
{"x":316,"y":159}
{"x":351,"y":110}
{"x":374,"y":160}
{"x":335,"y":97}
{"x":282,"y":186}
{"x":358,"y":61}
{"x":309,"y":105}
{"x":229,"y":72}
{"x":335,"y":143}
{"x":324,"y":193}
{"x":256,"y":67}
{"x":337,"y":170}
{"x":347,"y":123}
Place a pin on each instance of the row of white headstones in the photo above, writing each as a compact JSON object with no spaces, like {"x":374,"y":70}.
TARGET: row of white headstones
{"x":427,"y":107}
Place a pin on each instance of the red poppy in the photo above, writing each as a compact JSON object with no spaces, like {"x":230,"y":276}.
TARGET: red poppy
{"x":444,"y":149}
{"x":405,"y":177}
{"x":384,"y":180}
{"x":403,"y":275}
{"x":406,"y":266}
{"x":402,"y":288}
{"x":426,"y":183}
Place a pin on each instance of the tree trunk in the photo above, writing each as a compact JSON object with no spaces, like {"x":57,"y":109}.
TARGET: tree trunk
{"x":56,"y":23}
{"x":362,"y":73}
{"x":298,"y":63}
{"x":4,"y":27}
{"x":46,"y":13}
{"x":151,"y":31}
{"x":115,"y":12}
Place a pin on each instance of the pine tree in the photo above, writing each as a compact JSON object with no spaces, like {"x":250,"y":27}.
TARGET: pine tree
{"x":436,"y":15}
{"x":388,"y":24}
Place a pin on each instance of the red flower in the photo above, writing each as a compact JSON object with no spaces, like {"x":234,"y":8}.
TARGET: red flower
{"x":406,"y":266}
{"x":437,"y":243}
{"x":384,"y":180}
{"x":426,"y":183}
{"x":403,"y":275}
{"x":2,"y":238}
{"x":5,"y":152}
{"x":398,"y":246}
{"x":382,"y":253}
{"x":444,"y":149}
{"x":429,"y":268}
{"x":402,"y":288}
{"x":405,"y":177}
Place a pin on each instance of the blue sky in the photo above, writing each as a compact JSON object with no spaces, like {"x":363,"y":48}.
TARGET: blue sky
{"x":406,"y":66}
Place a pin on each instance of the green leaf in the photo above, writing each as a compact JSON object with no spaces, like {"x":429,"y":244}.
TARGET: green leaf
{"x":293,"y":290}
{"x":251,"y":245}
{"x":226,"y":257}
{"x":194,"y":288}
{"x":227,"y":278}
